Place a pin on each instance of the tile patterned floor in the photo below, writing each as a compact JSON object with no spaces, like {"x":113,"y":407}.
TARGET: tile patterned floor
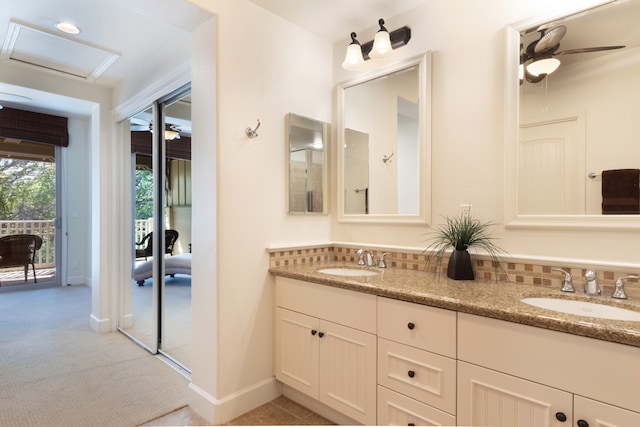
{"x":280,"y":411}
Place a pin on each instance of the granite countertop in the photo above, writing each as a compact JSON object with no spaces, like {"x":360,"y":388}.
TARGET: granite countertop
{"x":498,"y":300}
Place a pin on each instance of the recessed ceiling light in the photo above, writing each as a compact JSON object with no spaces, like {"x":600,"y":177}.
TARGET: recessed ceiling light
{"x":67,"y":27}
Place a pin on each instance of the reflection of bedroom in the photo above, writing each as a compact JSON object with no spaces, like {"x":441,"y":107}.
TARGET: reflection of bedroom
{"x":165,"y":327}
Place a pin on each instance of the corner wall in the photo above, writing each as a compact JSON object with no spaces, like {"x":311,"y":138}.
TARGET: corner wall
{"x":244,"y":69}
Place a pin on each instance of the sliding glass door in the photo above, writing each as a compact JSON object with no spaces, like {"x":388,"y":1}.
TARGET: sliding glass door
{"x":156,"y":302}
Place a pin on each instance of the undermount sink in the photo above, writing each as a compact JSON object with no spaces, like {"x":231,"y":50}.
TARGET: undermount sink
{"x":583,"y":308}
{"x":339,"y":271}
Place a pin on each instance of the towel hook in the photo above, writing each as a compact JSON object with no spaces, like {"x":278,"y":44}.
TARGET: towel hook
{"x":252,"y":133}
{"x":386,"y":159}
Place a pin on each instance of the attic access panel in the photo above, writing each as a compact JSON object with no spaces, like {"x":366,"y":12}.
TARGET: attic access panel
{"x":43,"y":49}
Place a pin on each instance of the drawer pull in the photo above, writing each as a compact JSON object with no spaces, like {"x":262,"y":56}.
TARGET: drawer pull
{"x":560,"y":416}
{"x":411,"y":424}
{"x":320,"y":334}
{"x":313,"y":332}
{"x":411,"y":374}
{"x":583,"y":423}
{"x":411,"y":325}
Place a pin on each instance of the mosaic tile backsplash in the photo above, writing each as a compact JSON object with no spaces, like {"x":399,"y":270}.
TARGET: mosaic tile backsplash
{"x":516,"y":272}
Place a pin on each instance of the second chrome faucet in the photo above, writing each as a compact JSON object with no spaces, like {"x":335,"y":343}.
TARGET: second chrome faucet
{"x":591,"y":286}
{"x":370,"y":261}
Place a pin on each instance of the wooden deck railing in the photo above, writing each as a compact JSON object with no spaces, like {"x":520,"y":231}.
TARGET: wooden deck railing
{"x":45,"y":257}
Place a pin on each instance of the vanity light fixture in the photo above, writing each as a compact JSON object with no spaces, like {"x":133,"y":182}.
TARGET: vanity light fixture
{"x":380,"y":47}
{"x":68,"y":27}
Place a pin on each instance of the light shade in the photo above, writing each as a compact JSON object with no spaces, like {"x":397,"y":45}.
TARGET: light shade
{"x":544,"y":66}
{"x":381,"y":43}
{"x":353,"y":59}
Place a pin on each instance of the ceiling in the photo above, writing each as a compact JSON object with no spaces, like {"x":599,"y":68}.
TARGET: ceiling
{"x":334,"y":20}
{"x":116,"y":36}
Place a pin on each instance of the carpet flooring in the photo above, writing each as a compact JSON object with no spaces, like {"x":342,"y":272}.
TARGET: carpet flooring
{"x":55,"y":371}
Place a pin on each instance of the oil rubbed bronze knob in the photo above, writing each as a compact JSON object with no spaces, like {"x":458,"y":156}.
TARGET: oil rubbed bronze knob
{"x":560,"y":416}
{"x":313,"y":332}
{"x":410,"y":325}
{"x":583,"y":423}
{"x":320,"y":334}
{"x":411,"y":374}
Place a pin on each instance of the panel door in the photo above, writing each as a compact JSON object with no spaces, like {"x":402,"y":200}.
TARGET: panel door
{"x":490,"y":398}
{"x":296,"y":351}
{"x":551,"y":168}
{"x":348,"y":371}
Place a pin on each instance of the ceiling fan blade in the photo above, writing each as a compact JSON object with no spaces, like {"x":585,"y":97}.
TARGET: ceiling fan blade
{"x":588,"y":49}
{"x":550,"y":39}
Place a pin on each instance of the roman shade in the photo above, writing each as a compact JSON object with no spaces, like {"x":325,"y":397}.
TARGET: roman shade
{"x":34,"y":127}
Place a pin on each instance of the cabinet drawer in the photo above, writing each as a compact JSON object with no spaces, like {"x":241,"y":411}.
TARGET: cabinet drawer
{"x":395,"y":409}
{"x":349,"y":308}
{"x":428,"y":328}
{"x":426,"y":377}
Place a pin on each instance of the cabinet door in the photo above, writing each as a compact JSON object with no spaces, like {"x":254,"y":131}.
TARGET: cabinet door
{"x":395,"y":409}
{"x":598,"y":414}
{"x":490,"y":398}
{"x":296,"y":351}
{"x":348,"y":371}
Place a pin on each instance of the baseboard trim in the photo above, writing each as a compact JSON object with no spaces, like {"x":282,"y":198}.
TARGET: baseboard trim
{"x":220,"y":411}
{"x":317,"y":407}
{"x":100,"y":325}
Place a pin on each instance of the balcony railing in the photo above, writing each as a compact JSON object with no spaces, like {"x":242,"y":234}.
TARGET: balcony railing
{"x":46,"y":256}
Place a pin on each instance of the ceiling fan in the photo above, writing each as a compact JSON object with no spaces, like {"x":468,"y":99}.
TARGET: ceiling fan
{"x":171,"y":131}
{"x":539,"y":59}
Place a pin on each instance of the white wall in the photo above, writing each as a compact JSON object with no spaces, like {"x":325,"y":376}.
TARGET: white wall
{"x":468,"y":44}
{"x":266,"y":67}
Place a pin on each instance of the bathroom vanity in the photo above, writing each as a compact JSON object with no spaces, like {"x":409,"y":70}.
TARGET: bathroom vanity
{"x":405,"y":347}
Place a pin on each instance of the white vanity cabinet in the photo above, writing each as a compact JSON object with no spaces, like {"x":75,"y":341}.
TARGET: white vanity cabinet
{"x":517,"y":375}
{"x":325,"y":346}
{"x":416,"y":364}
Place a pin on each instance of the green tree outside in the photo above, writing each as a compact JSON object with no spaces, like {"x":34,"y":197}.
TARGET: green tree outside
{"x":27,"y":190}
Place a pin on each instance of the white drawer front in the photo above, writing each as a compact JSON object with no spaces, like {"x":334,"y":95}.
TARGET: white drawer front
{"x":395,"y":409}
{"x":421,"y":326}
{"x":427,"y":377}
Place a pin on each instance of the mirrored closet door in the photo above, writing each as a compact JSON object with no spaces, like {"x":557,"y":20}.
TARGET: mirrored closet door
{"x":156,"y":302}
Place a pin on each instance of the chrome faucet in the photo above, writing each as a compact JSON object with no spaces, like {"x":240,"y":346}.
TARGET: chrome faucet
{"x":591,"y":285}
{"x":567,"y":282}
{"x":618,"y":291}
{"x":361,"y":253}
{"x":382,"y":263}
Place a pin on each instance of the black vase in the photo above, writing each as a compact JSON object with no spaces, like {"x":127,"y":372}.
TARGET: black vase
{"x":460,"y":267}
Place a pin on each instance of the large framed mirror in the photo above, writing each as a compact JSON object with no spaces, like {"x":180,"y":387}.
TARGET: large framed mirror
{"x":384,"y":145}
{"x":307,"y":143}
{"x":572,"y":128}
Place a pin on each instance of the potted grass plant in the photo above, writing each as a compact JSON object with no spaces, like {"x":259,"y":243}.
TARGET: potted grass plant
{"x":462,"y":233}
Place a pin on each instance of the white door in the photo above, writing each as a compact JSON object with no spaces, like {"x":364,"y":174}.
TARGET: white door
{"x":296,"y":351}
{"x":348,"y":371}
{"x":551,"y":168}
{"x":490,"y":398}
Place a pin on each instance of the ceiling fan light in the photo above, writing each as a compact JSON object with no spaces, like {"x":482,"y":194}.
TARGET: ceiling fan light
{"x":381,"y":43}
{"x":353,"y":59}
{"x":544,"y":66}
{"x":170,"y":135}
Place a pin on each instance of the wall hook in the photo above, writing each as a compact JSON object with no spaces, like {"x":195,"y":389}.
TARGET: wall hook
{"x":386,"y":159}
{"x":252,"y":133}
